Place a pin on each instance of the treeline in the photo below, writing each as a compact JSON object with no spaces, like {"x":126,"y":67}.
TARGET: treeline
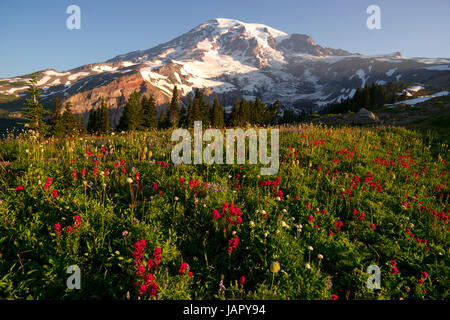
{"x":140,"y":113}
{"x":67,"y":124}
{"x":370,"y":97}
{"x":59,"y":124}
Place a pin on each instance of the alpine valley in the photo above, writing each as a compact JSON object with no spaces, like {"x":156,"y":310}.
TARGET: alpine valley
{"x":230,"y":59}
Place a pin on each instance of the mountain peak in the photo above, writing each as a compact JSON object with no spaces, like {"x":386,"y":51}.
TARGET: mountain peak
{"x":254,"y":29}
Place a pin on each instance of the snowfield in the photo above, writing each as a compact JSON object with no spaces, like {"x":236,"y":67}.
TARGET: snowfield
{"x":415,"y":101}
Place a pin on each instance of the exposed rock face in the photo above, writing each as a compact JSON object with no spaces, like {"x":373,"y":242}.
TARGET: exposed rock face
{"x":115,"y":94}
{"x":364,"y":116}
{"x":305,"y":44}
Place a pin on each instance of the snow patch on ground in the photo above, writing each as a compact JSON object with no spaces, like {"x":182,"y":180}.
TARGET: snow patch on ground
{"x":56,"y":82}
{"x":56,"y":73}
{"x":362,"y":75}
{"x":390,"y":72}
{"x":43,"y":81}
{"x":352,"y":93}
{"x":12,"y":90}
{"x":78,"y":75}
{"x":432,"y":60}
{"x":444,"y":67}
{"x":415,"y":88}
{"x":126,"y":64}
{"x":177,"y":76}
{"x":100,"y":68}
{"x":149,"y":76}
{"x":415,"y":101}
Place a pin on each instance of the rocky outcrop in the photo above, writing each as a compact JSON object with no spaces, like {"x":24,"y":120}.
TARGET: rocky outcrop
{"x":364,"y":116}
{"x":115,"y":94}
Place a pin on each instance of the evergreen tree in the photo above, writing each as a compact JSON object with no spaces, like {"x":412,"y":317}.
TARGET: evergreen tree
{"x":372,"y":98}
{"x":149,"y":112}
{"x":132,"y":117}
{"x":366,"y":97}
{"x":190,"y":113}
{"x":91,"y":121}
{"x":173,"y":116}
{"x":34,"y":110}
{"x":197,"y":106}
{"x":103,"y":124}
{"x":271,"y":114}
{"x":216,"y":117}
{"x":183,"y":117}
{"x":55,"y":129}
{"x":221,"y":116}
{"x":68,"y":121}
{"x":258,"y":111}
{"x":234,"y":116}
{"x":162,"y":121}
{"x":244,"y":113}
{"x":201,"y":110}
{"x":80,"y":129}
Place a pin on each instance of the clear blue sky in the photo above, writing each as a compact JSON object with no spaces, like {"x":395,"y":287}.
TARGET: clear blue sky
{"x":34,"y":36}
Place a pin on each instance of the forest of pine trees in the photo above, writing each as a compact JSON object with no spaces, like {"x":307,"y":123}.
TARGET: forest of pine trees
{"x":370,"y":97}
{"x":98,"y":121}
{"x":140,"y":112}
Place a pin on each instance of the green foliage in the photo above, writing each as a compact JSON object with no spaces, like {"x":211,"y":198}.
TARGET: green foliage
{"x":70,"y":125}
{"x":132,"y":114}
{"x":34,"y":109}
{"x":395,"y":176}
{"x":149,"y":112}
{"x":173,"y":112}
{"x":371,"y":98}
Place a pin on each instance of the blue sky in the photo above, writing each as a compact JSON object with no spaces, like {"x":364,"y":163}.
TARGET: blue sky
{"x":34,"y":36}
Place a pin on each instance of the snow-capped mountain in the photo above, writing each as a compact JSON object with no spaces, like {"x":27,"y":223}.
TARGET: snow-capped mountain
{"x":230,"y":59}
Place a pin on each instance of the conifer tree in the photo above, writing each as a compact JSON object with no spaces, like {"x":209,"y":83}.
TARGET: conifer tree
{"x":258,"y":111}
{"x":173,"y":116}
{"x":197,"y":106}
{"x":244,"y":113}
{"x":216,"y":117}
{"x":234,"y":116}
{"x":34,"y":110}
{"x":190,"y":113}
{"x":80,"y":129}
{"x":183,"y":117}
{"x":91,"y":121}
{"x":221,"y":116}
{"x":132,"y":117}
{"x":104,"y":126}
{"x":162,"y":121}
{"x":70,"y":124}
{"x":271,"y":114}
{"x":55,"y":118}
{"x":149,"y":112}
{"x":366,"y":97}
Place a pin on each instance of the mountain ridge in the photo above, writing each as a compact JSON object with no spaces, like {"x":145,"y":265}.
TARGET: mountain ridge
{"x":229,"y":59}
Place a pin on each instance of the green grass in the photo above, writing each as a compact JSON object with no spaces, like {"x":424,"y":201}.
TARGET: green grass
{"x":397,"y":177}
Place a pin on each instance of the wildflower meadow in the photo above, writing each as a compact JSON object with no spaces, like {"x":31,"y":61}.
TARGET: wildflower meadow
{"x":140,"y":227}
